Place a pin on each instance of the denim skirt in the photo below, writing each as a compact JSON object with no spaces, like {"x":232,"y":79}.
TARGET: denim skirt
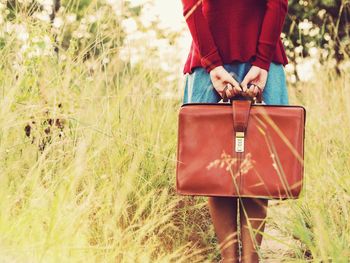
{"x":199,"y":88}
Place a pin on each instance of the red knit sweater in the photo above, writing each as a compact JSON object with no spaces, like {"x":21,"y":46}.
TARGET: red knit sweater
{"x":224,"y":31}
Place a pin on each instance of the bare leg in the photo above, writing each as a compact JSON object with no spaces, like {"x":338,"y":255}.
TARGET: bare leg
{"x":256,"y":210}
{"x":223,"y":212}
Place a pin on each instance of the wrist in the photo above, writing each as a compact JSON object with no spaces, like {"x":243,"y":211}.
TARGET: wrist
{"x":211,"y":61}
{"x":215,"y":69}
{"x":261,"y":63}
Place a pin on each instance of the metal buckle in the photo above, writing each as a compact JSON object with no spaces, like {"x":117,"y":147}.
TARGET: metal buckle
{"x":239,"y":145}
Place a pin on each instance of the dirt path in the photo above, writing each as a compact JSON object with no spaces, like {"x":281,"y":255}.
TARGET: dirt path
{"x":276,"y":245}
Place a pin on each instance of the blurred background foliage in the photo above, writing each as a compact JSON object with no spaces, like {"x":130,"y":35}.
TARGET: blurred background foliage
{"x":318,"y":28}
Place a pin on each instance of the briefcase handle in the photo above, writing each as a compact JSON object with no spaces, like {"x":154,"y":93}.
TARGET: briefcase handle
{"x":254,"y":100}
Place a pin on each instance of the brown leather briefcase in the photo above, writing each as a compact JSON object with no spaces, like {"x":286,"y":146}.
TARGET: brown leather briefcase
{"x":240,"y":148}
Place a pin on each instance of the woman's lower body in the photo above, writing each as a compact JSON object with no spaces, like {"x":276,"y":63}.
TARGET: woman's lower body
{"x":223,"y":210}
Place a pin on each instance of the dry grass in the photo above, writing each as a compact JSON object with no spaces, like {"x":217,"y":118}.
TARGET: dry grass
{"x":87,"y":171}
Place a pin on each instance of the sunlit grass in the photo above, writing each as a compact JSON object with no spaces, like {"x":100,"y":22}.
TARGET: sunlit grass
{"x":319,"y":221}
{"x":88,"y":159}
{"x":87,"y":150}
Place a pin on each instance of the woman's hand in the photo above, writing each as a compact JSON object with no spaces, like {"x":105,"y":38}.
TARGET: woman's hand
{"x":256,"y":76}
{"x":220,"y":77}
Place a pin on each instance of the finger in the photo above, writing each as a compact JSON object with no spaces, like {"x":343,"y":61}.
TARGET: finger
{"x":234,"y":90}
{"x":250,"y":76}
{"x":223,"y":92}
{"x":256,"y":90}
{"x":233,"y":80}
{"x":227,"y":90}
{"x":261,"y":88}
{"x":246,"y":80}
{"x":237,"y":90}
{"x":234,"y":87}
{"x":249,"y":89}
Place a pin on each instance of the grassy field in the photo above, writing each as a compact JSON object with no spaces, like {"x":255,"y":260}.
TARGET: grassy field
{"x":87,"y":171}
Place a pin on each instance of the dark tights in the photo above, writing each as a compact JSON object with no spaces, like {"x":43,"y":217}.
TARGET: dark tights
{"x":223,"y":211}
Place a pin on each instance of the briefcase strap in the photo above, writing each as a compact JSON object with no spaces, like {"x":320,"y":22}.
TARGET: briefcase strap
{"x":240,"y":114}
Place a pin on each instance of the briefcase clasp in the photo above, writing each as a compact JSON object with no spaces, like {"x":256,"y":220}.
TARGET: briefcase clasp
{"x":239,"y":146}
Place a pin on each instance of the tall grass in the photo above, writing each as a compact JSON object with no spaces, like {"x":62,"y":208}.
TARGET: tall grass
{"x":87,"y":171}
{"x":319,"y":221}
{"x":87,"y":160}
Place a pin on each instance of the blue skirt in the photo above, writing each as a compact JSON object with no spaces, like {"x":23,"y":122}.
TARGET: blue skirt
{"x":199,"y":88}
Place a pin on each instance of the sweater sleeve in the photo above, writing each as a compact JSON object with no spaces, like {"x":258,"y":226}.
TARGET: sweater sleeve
{"x":201,"y":35}
{"x":272,"y":25}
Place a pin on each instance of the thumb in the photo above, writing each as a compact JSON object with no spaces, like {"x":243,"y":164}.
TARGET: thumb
{"x":248,"y":77}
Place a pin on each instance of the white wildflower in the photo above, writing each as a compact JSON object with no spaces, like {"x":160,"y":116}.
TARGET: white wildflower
{"x":289,"y":68}
{"x":22,"y":33}
{"x":71,"y":18}
{"x":63,"y":57}
{"x":47,"y":40}
{"x":105,"y":60}
{"x":116,"y":6}
{"x":305,"y":26}
{"x":47,"y":5}
{"x":42,"y":16}
{"x":78,"y":34}
{"x":91,"y":19}
{"x":136,"y":3}
{"x":58,"y":22}
{"x":24,"y":47}
{"x":314,"y":31}
{"x":324,"y":53}
{"x":321,"y":13}
{"x":164,"y":65}
{"x":129,"y":25}
{"x":313,"y":51}
{"x":327,"y":37}
{"x":293,"y":78}
{"x":25,"y":2}
{"x":8,"y":28}
{"x":298,"y":49}
{"x":35,"y":39}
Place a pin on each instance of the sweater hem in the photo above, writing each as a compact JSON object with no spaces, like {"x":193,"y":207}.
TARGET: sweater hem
{"x":189,"y":67}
